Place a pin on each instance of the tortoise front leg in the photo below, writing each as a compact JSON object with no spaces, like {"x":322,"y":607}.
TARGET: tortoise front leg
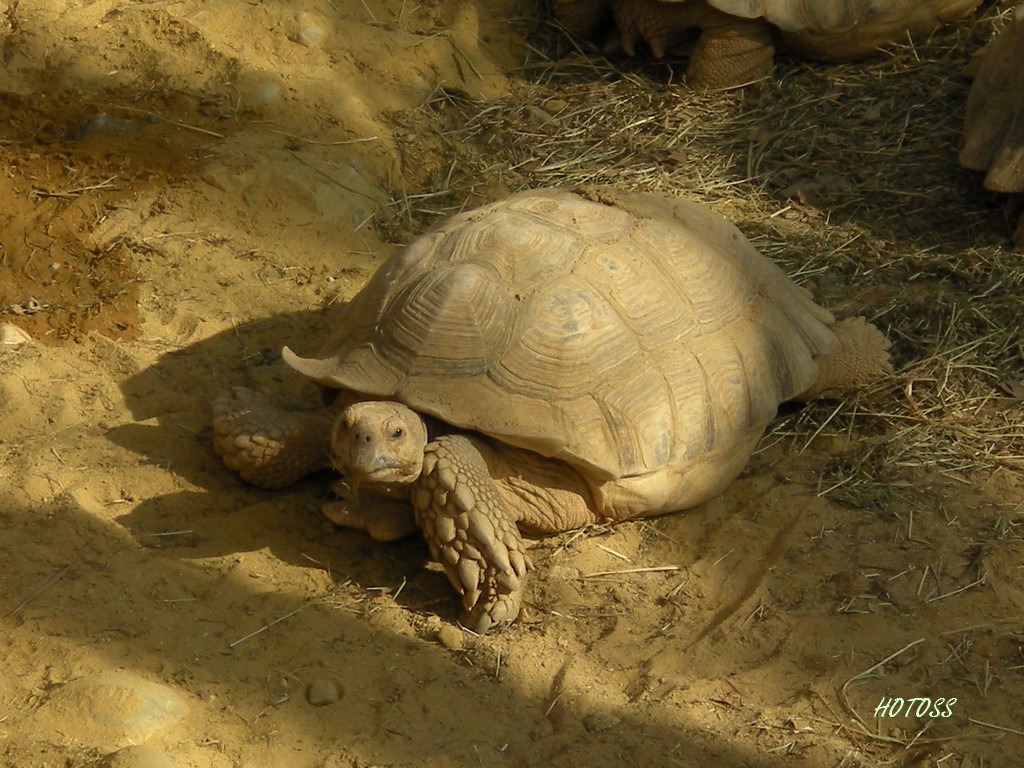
{"x":267,"y":445}
{"x":471,"y":530}
{"x":383,"y":517}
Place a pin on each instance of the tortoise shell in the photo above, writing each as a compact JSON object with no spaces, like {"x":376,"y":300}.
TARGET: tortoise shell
{"x":624,"y":333}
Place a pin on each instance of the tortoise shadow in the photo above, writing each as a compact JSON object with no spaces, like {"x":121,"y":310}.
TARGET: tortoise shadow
{"x":179,"y":529}
{"x":171,"y":402}
{"x":431,"y":683}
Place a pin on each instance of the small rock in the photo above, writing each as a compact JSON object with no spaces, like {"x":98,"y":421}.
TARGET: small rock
{"x":11,"y":335}
{"x":563,"y":573}
{"x":451,"y":637}
{"x":310,"y":30}
{"x":322,"y":691}
{"x":104,"y":125}
{"x":139,"y":756}
{"x":536,"y":116}
{"x":596,"y":722}
{"x":554,"y":106}
{"x":257,"y":90}
{"x":110,"y":710}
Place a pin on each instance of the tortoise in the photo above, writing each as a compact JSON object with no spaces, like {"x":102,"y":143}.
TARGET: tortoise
{"x":994,"y":122}
{"x":558,"y":358}
{"x":734,"y":38}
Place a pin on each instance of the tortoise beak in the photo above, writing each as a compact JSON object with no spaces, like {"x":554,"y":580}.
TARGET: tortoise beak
{"x":371,"y":463}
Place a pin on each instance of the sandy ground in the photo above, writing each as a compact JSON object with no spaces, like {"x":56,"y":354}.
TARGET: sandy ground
{"x":187,"y":186}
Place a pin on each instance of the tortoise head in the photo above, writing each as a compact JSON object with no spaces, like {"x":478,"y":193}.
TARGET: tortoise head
{"x":379,"y":442}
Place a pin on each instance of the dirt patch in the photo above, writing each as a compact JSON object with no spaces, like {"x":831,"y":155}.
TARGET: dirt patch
{"x":69,"y":164}
{"x":191,"y":185}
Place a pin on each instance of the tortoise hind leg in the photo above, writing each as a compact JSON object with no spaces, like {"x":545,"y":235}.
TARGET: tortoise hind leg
{"x":730,"y":52}
{"x":861,"y":355}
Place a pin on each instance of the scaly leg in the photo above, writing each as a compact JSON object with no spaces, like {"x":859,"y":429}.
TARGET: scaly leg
{"x":731,"y":52}
{"x":659,"y":24}
{"x":471,"y":530}
{"x":267,"y":445}
{"x":861,"y":355}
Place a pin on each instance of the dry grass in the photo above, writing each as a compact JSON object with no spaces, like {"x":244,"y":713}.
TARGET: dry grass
{"x":846,"y":175}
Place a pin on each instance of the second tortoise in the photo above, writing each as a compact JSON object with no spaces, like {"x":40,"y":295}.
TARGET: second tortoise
{"x":732,"y":42}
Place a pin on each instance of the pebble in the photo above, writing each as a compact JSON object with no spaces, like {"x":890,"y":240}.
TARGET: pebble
{"x":139,"y":756}
{"x":257,"y":90}
{"x":596,"y":722}
{"x":554,"y":106}
{"x":311,"y":31}
{"x":563,"y":573}
{"x":109,"y":710}
{"x":11,"y":335}
{"x":105,"y":125}
{"x":451,"y":637}
{"x":322,"y":691}
{"x":537,"y":116}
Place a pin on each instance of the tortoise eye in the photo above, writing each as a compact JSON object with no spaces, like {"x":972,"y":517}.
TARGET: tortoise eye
{"x":397,"y":433}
